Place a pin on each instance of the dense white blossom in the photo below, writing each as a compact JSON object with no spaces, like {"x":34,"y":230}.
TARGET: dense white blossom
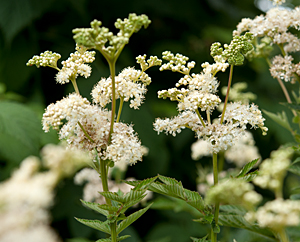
{"x":283,"y":68}
{"x":276,"y":214}
{"x":129,"y":84}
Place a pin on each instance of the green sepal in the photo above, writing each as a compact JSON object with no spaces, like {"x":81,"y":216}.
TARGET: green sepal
{"x":200,"y":240}
{"x":96,"y":207}
{"x":131,"y":218}
{"x":96,"y":224}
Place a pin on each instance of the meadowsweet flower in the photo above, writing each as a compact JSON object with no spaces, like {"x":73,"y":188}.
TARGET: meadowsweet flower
{"x":276,"y":214}
{"x":24,"y":200}
{"x":75,"y":65}
{"x":130,"y":83}
{"x":275,"y":24}
{"x":278,"y":2}
{"x":283,"y":68}
{"x":233,"y":191}
{"x":243,"y":151}
{"x":273,"y":170}
{"x":47,"y":58}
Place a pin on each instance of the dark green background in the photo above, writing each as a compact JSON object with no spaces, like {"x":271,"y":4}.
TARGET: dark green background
{"x":29,"y":27}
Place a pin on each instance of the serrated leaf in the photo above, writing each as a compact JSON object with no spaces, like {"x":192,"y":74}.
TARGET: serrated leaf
{"x":281,"y":119}
{"x":113,"y":196}
{"x":194,"y":199}
{"x":293,"y":106}
{"x":141,"y":185}
{"x":207,"y":219}
{"x":199,"y":240}
{"x":130,"y":204}
{"x":233,"y":209}
{"x":104,"y":240}
{"x":238,"y":221}
{"x":109,"y":208}
{"x":175,"y":190}
{"x":134,"y":195}
{"x":95,"y":207}
{"x":131,"y":218}
{"x":168,"y":180}
{"x":96,"y":224}
{"x":158,"y":188}
{"x":247,"y":168}
{"x":250,"y":176}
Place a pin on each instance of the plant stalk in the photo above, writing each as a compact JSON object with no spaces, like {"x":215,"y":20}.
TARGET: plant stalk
{"x":217,"y":205}
{"x":227,"y":94}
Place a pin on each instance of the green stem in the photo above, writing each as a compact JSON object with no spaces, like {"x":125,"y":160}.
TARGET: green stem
{"x":120,"y":109}
{"x":112,"y":68}
{"x":283,"y":236}
{"x":227,"y":94}
{"x":113,"y":229}
{"x":216,"y":180}
{"x":75,"y":85}
{"x":208,"y":116}
{"x":201,"y":119}
{"x":85,"y":133}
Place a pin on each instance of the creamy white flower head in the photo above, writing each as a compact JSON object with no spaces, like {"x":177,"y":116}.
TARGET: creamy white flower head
{"x":214,"y":68}
{"x":233,"y":191}
{"x":240,"y":115}
{"x":70,"y":108}
{"x":276,"y":214}
{"x":177,"y":123}
{"x":75,"y":65}
{"x":200,"y":148}
{"x":283,"y":68}
{"x":130,"y":83}
{"x":275,"y":24}
{"x":273,"y":170}
{"x":62,"y":160}
{"x":243,"y":151}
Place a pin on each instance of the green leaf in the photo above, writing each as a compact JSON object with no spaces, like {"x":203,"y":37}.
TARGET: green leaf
{"x":292,"y":106}
{"x":207,"y":219}
{"x":247,"y":168}
{"x":95,"y":207}
{"x":200,"y":240}
{"x":130,"y":204}
{"x":238,"y":221}
{"x":131,"y":218}
{"x":168,"y":180}
{"x":118,"y":239}
{"x":295,"y":167}
{"x":233,"y":209}
{"x":134,"y":195}
{"x":176,"y":190}
{"x":20,"y":134}
{"x":194,"y":199}
{"x":113,"y":196}
{"x":109,"y":208}
{"x":281,"y":119}
{"x":141,"y":185}
{"x":96,"y":224}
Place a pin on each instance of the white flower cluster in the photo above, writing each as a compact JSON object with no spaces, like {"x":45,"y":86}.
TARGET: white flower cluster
{"x":283,"y":68}
{"x":276,"y":214}
{"x":200,"y":93}
{"x":24,"y":201}
{"x":87,"y":127}
{"x":92,"y":184}
{"x":273,"y":170}
{"x":177,"y":63}
{"x":26,"y":197}
{"x":75,"y":65}
{"x":275,"y":24}
{"x":240,"y":153}
{"x":47,"y":58}
{"x":233,"y":191}
{"x":278,"y":2}
{"x":130,"y":83}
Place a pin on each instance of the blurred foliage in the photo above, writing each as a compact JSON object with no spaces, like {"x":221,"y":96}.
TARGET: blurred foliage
{"x":29,"y":27}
